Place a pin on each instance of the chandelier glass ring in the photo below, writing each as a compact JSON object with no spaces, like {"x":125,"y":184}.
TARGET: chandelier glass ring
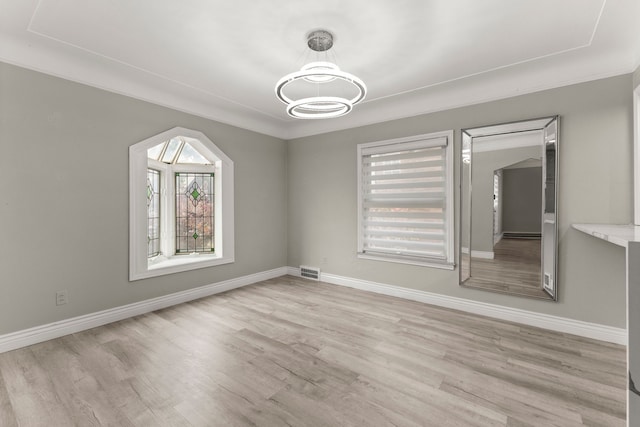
{"x":320,"y":66}
{"x":323,"y":106}
{"x":320,"y":75}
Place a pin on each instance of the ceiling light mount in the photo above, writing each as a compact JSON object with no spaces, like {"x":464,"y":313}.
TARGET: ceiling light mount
{"x":320,"y":40}
{"x":321,"y":89}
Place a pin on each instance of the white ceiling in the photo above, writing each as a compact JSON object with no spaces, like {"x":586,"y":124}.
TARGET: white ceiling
{"x":220,"y":59}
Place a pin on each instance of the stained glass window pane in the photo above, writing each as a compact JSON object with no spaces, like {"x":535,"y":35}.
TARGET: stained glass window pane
{"x":191,"y":155}
{"x":194,"y":213}
{"x":172,"y":149}
{"x":153,"y":213}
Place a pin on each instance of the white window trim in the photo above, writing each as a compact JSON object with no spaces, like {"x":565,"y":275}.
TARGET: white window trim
{"x":139,"y":266}
{"x":636,"y":155}
{"x":449,"y":264}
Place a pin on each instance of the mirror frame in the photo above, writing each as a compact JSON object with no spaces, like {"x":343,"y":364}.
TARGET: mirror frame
{"x":548,"y":143}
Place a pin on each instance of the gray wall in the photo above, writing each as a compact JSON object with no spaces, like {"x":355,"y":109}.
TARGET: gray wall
{"x":64,"y":210}
{"x":522,"y":200}
{"x":595,"y":186}
{"x":64,"y":181}
{"x":482,"y":169}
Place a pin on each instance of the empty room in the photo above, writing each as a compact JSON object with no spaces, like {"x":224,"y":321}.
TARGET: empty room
{"x":336,"y":213}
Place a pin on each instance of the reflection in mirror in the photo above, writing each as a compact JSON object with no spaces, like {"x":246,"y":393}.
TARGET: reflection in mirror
{"x":465,"y":206}
{"x":508,"y":230}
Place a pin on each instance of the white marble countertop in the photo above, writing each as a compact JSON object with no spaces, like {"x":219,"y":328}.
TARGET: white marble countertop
{"x":619,"y":235}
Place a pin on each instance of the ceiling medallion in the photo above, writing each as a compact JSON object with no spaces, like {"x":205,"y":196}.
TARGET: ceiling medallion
{"x":321,"y":87}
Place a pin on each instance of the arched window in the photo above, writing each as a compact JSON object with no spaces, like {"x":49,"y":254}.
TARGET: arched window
{"x":181,"y":204}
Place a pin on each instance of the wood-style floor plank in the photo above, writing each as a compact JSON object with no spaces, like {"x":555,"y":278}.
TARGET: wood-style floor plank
{"x":7,"y":416}
{"x":292,"y":352}
{"x":515,"y":269}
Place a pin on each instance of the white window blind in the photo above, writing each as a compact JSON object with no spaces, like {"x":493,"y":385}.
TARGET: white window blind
{"x":405,"y":194}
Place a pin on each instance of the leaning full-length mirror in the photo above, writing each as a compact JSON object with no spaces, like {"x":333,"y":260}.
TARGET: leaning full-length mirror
{"x":508,"y":231}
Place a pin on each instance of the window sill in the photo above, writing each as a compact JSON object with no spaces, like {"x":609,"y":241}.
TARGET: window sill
{"x":390,"y":258}
{"x":176,"y":264}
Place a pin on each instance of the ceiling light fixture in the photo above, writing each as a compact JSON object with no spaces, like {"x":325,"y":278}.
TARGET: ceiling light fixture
{"x":340,"y":90}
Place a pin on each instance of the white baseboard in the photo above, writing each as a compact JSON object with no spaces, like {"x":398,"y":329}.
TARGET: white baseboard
{"x":61,"y":328}
{"x":42,"y":333}
{"x":530,"y":318}
{"x":479,"y":254}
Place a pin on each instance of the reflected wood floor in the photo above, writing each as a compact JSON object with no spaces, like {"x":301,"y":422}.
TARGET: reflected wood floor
{"x":515,"y":269}
{"x":292,"y":352}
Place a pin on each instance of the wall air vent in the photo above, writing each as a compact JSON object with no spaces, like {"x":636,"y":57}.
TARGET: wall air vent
{"x":312,"y":273}
{"x":524,"y":235}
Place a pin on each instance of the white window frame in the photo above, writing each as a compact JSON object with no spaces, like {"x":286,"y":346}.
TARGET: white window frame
{"x":140,"y":266}
{"x":420,"y":141}
{"x":636,"y":156}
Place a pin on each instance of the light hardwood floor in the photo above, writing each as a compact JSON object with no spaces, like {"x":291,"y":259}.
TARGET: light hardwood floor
{"x":294,"y":352}
{"x":515,"y":269}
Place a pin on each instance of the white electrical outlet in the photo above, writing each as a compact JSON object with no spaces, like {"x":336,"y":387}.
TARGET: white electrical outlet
{"x":61,"y":297}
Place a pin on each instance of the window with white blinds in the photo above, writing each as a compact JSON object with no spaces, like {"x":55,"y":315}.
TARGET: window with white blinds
{"x":405,"y":202}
